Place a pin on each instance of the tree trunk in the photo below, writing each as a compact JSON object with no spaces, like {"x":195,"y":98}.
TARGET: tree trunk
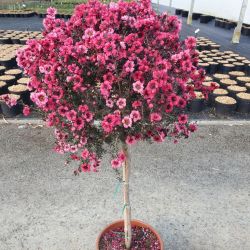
{"x":190,"y":13}
{"x":237,"y":31}
{"x":127,"y":208}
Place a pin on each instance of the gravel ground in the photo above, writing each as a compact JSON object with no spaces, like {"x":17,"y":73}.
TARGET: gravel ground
{"x":196,"y":193}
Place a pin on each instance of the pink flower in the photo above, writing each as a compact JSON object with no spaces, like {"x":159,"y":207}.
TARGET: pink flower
{"x":85,"y":167}
{"x":192,"y":127}
{"x":130,"y":140}
{"x":71,"y":115}
{"x":51,"y":11}
{"x":129,"y":66}
{"x":115,"y":163}
{"x":78,"y":123}
{"x":39,"y":98}
{"x":138,"y":87}
{"x":127,"y":122}
{"x":182,"y":119}
{"x":85,"y":154}
{"x":121,"y":156}
{"x":121,"y":103}
{"x":155,"y":117}
{"x":110,"y":121}
{"x":109,"y":103}
{"x":90,"y":32}
{"x":135,"y":115}
{"x":26,"y":110}
{"x":88,"y":116}
{"x":169,"y":108}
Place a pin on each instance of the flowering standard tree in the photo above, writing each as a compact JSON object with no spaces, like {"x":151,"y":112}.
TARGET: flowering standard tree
{"x":113,"y":74}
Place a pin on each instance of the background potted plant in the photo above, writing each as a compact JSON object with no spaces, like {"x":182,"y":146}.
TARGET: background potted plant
{"x":113,"y":74}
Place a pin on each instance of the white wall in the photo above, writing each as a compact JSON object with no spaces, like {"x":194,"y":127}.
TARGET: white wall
{"x":229,"y":9}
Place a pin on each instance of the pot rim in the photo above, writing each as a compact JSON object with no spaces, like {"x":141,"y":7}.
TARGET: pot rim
{"x":119,"y":223}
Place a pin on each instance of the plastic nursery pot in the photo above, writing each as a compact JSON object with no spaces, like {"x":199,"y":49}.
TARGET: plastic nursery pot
{"x":7,"y":62}
{"x":196,"y":16}
{"x":218,"y":77}
{"x":225,"y":105}
{"x":247,"y":68}
{"x":248,"y":87}
{"x":205,"y":19}
{"x":10,"y":80}
{"x":205,"y":66}
{"x":178,"y":12}
{"x":225,"y":68}
{"x":224,"y":83}
{"x":197,"y":104}
{"x":11,"y":111}
{"x":3,"y":87}
{"x":216,"y":93}
{"x":17,"y":73}
{"x":242,"y":80}
{"x":213,"y":67}
{"x":184,"y":13}
{"x":234,"y":74}
{"x":120,"y":223}
{"x":23,"y":80}
{"x":22,"y":91}
{"x":15,"y":40}
{"x":217,"y":23}
{"x":243,"y":100}
{"x":215,"y":46}
{"x":239,"y":66}
{"x":2,"y":69}
{"x":234,"y":89}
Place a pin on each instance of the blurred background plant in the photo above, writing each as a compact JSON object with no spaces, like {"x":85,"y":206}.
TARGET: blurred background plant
{"x":40,"y":6}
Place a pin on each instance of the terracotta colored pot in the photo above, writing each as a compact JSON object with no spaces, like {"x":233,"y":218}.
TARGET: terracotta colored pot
{"x":120,"y":223}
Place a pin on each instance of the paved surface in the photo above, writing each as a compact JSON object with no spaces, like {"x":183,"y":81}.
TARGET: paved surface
{"x":196,"y":193}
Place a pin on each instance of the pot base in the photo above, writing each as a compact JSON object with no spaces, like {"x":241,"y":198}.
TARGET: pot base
{"x":120,"y":223}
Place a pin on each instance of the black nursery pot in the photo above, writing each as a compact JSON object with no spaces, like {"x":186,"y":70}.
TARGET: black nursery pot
{"x":228,"y":25}
{"x":205,"y":66}
{"x":247,"y":69}
{"x":248,"y":87}
{"x":184,"y":13}
{"x":212,"y":96}
{"x":196,"y":16}
{"x":242,"y":80}
{"x":17,"y":73}
{"x":196,"y":105}
{"x":178,"y":11}
{"x":238,"y":66}
{"x":8,"y":62}
{"x":226,"y":68}
{"x":205,"y":19}
{"x":224,"y":109}
{"x":213,"y":67}
{"x":15,"y":40}
{"x":25,"y":96}
{"x":3,"y":88}
{"x":243,"y":104}
{"x":2,"y":69}
{"x":217,"y":23}
{"x":10,"y":80}
{"x":233,"y":92}
{"x":10,"y":111}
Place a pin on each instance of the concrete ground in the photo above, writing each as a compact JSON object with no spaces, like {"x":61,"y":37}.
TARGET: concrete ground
{"x":196,"y":193}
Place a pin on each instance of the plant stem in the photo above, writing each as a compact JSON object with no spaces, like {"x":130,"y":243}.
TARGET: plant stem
{"x":127,"y":208}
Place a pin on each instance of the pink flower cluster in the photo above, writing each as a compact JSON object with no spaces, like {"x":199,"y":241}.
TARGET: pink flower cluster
{"x":113,"y":72}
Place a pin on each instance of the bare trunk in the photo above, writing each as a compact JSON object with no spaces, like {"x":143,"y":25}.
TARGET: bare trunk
{"x":190,"y":13}
{"x":127,"y":208}
{"x":237,"y":31}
